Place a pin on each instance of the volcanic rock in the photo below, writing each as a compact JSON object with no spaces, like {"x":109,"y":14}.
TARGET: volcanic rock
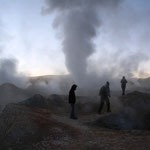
{"x":37,"y":101}
{"x":26,"y":128}
{"x":135,"y":114}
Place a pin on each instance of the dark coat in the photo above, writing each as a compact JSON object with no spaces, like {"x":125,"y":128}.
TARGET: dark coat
{"x":104,"y":91}
{"x":123,"y":82}
{"x":72,"y":97}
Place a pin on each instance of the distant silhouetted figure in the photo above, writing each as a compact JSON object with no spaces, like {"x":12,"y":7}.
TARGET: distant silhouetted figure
{"x":72,"y":101}
{"x":123,"y":84}
{"x":104,"y":93}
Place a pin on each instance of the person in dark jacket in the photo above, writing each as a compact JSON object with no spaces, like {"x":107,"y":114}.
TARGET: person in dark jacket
{"x":123,"y":84}
{"x":104,"y":93}
{"x":72,"y":101}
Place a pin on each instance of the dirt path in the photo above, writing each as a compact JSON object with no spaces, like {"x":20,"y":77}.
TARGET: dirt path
{"x":104,"y":139}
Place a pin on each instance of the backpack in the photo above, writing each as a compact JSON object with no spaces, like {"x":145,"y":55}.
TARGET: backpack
{"x":103,"y":91}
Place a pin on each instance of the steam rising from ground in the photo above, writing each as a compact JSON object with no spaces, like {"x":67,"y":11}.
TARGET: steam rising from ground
{"x":9,"y":74}
{"x":79,"y":20}
{"x":121,"y":36}
{"x":8,"y":66}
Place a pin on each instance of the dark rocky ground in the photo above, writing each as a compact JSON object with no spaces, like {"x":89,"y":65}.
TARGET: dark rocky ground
{"x":135,"y":114}
{"x":40,"y":123}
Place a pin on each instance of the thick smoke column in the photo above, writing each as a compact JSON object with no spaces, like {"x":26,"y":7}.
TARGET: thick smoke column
{"x":79,"y":20}
{"x":81,"y":27}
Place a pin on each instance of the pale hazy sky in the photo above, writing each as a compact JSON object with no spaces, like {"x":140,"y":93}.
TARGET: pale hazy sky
{"x":29,"y":37}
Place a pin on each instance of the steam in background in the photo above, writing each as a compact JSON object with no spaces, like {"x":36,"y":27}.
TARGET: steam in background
{"x":9,"y":74}
{"x":8,"y":66}
{"x":51,"y":84}
{"x":120,"y":27}
{"x":123,"y":44}
{"x":102,"y":40}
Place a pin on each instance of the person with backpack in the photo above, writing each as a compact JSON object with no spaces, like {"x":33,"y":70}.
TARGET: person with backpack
{"x":123,"y":84}
{"x":72,"y":101}
{"x":104,"y":94}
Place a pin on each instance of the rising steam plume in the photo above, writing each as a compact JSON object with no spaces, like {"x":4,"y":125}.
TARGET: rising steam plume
{"x":80,"y":21}
{"x":122,"y":49}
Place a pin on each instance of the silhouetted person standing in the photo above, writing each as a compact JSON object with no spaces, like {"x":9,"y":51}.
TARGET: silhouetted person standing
{"x":72,"y":101}
{"x":104,"y":93}
{"x":123,"y":84}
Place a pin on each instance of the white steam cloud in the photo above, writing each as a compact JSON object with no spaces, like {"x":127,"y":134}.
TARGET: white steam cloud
{"x":8,"y":66}
{"x":123,"y":43}
{"x":120,"y":26}
{"x":9,"y":73}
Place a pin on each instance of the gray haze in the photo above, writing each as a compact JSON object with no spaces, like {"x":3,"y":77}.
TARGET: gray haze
{"x":120,"y":27}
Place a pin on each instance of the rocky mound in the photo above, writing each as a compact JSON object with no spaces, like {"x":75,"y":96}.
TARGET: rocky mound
{"x":37,"y":101}
{"x":59,"y":103}
{"x":135,"y":115}
{"x":11,"y":93}
{"x":32,"y":128}
{"x":24,"y":128}
{"x":137,"y":100}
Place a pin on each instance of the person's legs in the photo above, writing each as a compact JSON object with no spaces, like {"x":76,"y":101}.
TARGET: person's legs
{"x":72,"y":111}
{"x":101,"y":105}
{"x":108,"y":105}
{"x":123,"y":90}
{"x":72,"y":115}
